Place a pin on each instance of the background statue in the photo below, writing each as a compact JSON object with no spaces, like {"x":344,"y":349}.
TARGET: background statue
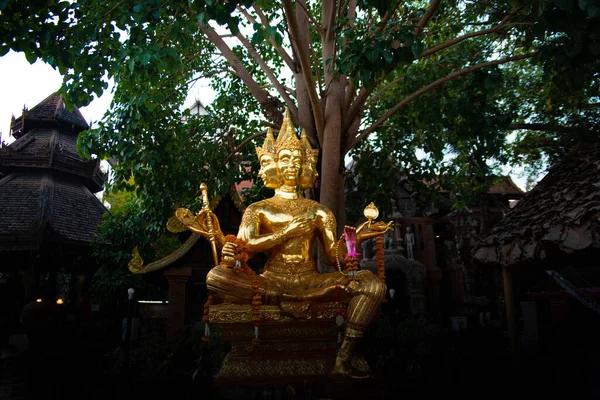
{"x":286,"y":227}
{"x":409,"y":241}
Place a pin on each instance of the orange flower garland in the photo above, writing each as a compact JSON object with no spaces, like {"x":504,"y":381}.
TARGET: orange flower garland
{"x":241,"y":266}
{"x":351,"y":265}
{"x":380,"y":256}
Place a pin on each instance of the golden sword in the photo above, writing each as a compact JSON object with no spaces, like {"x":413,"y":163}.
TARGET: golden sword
{"x":211,"y":233}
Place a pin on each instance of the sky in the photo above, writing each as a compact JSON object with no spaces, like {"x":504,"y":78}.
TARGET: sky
{"x":27,"y":84}
{"x":24,"y":84}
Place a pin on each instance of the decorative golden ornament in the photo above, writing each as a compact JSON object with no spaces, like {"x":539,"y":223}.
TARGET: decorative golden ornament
{"x":137,"y":262}
{"x":174,"y":225}
{"x":371,"y":212}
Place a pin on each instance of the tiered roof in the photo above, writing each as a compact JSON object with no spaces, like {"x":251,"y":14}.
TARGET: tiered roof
{"x":46,"y":189}
{"x":561,"y":214}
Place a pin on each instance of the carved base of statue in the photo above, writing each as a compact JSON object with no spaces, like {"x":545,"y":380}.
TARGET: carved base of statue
{"x":291,"y":349}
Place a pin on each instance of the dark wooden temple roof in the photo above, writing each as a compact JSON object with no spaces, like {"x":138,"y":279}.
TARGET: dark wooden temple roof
{"x":51,"y":110}
{"x":560,"y":215}
{"x":46,"y":189}
{"x":46,"y":207}
{"x":504,"y":185}
{"x":50,"y":148}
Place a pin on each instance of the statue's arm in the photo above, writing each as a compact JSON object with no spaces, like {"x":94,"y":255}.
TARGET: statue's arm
{"x":327,"y":237}
{"x":257,"y":242}
{"x":250,"y":233}
{"x":330,"y":242}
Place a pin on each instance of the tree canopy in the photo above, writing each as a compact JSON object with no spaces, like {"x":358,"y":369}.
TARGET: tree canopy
{"x":437,"y":86}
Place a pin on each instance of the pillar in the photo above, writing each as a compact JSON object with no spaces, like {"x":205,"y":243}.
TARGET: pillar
{"x":434,"y":276}
{"x":177,"y":278}
{"x":512,"y":313}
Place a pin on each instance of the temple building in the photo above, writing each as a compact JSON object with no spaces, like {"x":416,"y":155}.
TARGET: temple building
{"x":48,"y":208}
{"x":547,"y":249}
{"x":427,"y":255}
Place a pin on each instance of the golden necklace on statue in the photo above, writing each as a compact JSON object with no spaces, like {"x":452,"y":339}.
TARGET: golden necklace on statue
{"x":291,"y":206}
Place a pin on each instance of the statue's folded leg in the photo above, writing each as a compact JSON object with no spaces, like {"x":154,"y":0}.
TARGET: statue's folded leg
{"x":368,"y":294}
{"x":364,"y":305}
{"x":236,"y":287}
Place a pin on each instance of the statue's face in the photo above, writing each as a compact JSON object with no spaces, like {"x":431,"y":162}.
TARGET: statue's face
{"x":268,"y":171}
{"x":289,"y":166}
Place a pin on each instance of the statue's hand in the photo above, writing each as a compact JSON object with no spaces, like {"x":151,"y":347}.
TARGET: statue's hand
{"x":202,"y":220}
{"x":352,"y":288}
{"x":364,"y":231}
{"x":228,"y":253}
{"x":199,"y":223}
{"x":298,"y":226}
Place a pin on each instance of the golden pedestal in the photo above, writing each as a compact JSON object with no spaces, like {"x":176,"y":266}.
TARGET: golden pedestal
{"x":292,"y":348}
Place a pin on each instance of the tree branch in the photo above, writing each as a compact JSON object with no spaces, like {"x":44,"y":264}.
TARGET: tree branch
{"x":113,"y":9}
{"x":386,"y":87}
{"x":263,"y":65}
{"x":503,"y":24}
{"x":426,"y":89}
{"x":357,"y":105}
{"x":267,"y":102}
{"x":330,"y":22}
{"x":588,"y":106}
{"x":263,"y":19}
{"x":248,"y":139}
{"x":543,"y":127}
{"x":289,"y":90}
{"x":301,"y":50}
{"x":350,"y":93}
{"x":310,"y":17}
{"x":427,"y":16}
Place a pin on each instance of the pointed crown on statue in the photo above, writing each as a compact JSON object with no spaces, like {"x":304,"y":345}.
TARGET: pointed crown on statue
{"x":287,"y":139}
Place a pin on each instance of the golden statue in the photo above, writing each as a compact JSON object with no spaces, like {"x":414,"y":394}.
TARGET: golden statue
{"x":287,"y":227}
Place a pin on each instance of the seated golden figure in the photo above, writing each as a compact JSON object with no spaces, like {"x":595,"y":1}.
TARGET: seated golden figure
{"x":287,"y":227}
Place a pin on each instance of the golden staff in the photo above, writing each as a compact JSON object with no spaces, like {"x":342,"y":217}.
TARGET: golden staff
{"x":211,"y":233}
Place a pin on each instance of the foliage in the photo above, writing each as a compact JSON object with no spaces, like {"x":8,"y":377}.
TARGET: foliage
{"x":438,"y":87}
{"x":119,"y":232}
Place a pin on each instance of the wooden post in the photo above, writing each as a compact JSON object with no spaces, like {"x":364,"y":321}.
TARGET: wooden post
{"x":434,"y":276}
{"x":512,"y":314}
{"x":177,"y":278}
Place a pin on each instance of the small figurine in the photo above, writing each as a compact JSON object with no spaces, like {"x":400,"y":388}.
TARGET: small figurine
{"x":409,"y":239}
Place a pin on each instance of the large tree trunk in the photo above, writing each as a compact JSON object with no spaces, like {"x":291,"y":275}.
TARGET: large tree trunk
{"x":332,"y":178}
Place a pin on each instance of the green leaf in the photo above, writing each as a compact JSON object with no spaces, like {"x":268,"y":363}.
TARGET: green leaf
{"x":372,"y":54}
{"x":233,"y":27}
{"x":200,"y":17}
{"x":388,"y":56}
{"x":258,"y":37}
{"x":417,"y":48}
{"x":146,"y":58}
{"x":31,"y":57}
{"x":278,"y":39}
